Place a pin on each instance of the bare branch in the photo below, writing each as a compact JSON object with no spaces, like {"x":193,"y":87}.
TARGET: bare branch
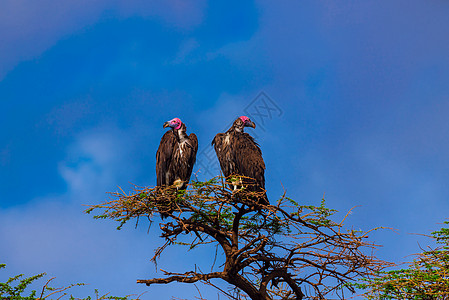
{"x":188,"y":277}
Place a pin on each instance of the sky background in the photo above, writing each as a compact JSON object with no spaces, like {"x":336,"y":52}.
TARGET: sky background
{"x":351,"y":99}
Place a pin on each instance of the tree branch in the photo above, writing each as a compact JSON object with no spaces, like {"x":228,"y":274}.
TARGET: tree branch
{"x":188,"y":277}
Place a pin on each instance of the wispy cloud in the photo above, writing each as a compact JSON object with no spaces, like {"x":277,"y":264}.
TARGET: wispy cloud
{"x":28,"y":28}
{"x":97,"y":161}
{"x":52,"y":234}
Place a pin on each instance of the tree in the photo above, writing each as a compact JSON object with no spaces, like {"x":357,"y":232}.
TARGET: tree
{"x":15,"y":289}
{"x":282,"y":251}
{"x":425,"y":278}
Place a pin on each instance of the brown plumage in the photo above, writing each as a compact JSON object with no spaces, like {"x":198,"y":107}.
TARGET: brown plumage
{"x":239,"y":154}
{"x":176,"y":156}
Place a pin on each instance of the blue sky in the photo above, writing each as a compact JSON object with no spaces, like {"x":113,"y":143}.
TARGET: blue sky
{"x":360,"y":97}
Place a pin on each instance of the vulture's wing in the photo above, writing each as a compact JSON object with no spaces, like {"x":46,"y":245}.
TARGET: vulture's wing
{"x":164,"y":157}
{"x":223,"y":153}
{"x":248,"y":158}
{"x":193,"y":142}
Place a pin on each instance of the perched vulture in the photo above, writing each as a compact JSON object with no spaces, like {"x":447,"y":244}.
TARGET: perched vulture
{"x":239,"y":154}
{"x":176,"y":155}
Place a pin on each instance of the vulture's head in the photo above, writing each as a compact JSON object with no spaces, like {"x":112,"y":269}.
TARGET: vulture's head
{"x":247,"y":122}
{"x":243,"y":122}
{"x":174,"y":123}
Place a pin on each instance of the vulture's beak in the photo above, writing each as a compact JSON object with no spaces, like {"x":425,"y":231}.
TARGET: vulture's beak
{"x":251,"y":124}
{"x":166,"y":124}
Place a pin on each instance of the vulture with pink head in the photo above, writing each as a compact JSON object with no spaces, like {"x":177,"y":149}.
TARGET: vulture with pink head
{"x":239,"y":154}
{"x":176,"y":155}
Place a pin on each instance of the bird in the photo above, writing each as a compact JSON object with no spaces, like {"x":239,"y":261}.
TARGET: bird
{"x":239,"y":154}
{"x":175,"y":156}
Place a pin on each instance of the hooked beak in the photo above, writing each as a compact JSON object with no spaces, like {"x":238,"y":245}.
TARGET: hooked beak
{"x":251,"y":124}
{"x":166,"y":124}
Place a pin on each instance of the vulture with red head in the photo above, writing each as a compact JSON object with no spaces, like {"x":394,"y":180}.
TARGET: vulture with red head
{"x":239,"y":154}
{"x":176,"y":156}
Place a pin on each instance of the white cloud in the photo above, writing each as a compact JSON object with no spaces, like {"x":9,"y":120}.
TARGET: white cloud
{"x":52,"y":234}
{"x":28,"y":28}
{"x":94,"y":162}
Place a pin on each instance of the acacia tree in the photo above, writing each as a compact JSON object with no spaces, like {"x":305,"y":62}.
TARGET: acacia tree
{"x":425,"y":278}
{"x":281,"y":251}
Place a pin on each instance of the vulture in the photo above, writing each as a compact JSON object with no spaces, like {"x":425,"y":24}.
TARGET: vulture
{"x":175,"y":156}
{"x":239,"y":154}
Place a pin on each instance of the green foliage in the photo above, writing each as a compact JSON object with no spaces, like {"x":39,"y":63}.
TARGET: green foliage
{"x":322,"y":214}
{"x":11,"y":292}
{"x":14,"y":289}
{"x":425,"y":278}
{"x":442,"y":236}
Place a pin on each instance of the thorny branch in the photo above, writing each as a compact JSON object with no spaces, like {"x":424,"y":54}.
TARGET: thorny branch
{"x":282,"y":251}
